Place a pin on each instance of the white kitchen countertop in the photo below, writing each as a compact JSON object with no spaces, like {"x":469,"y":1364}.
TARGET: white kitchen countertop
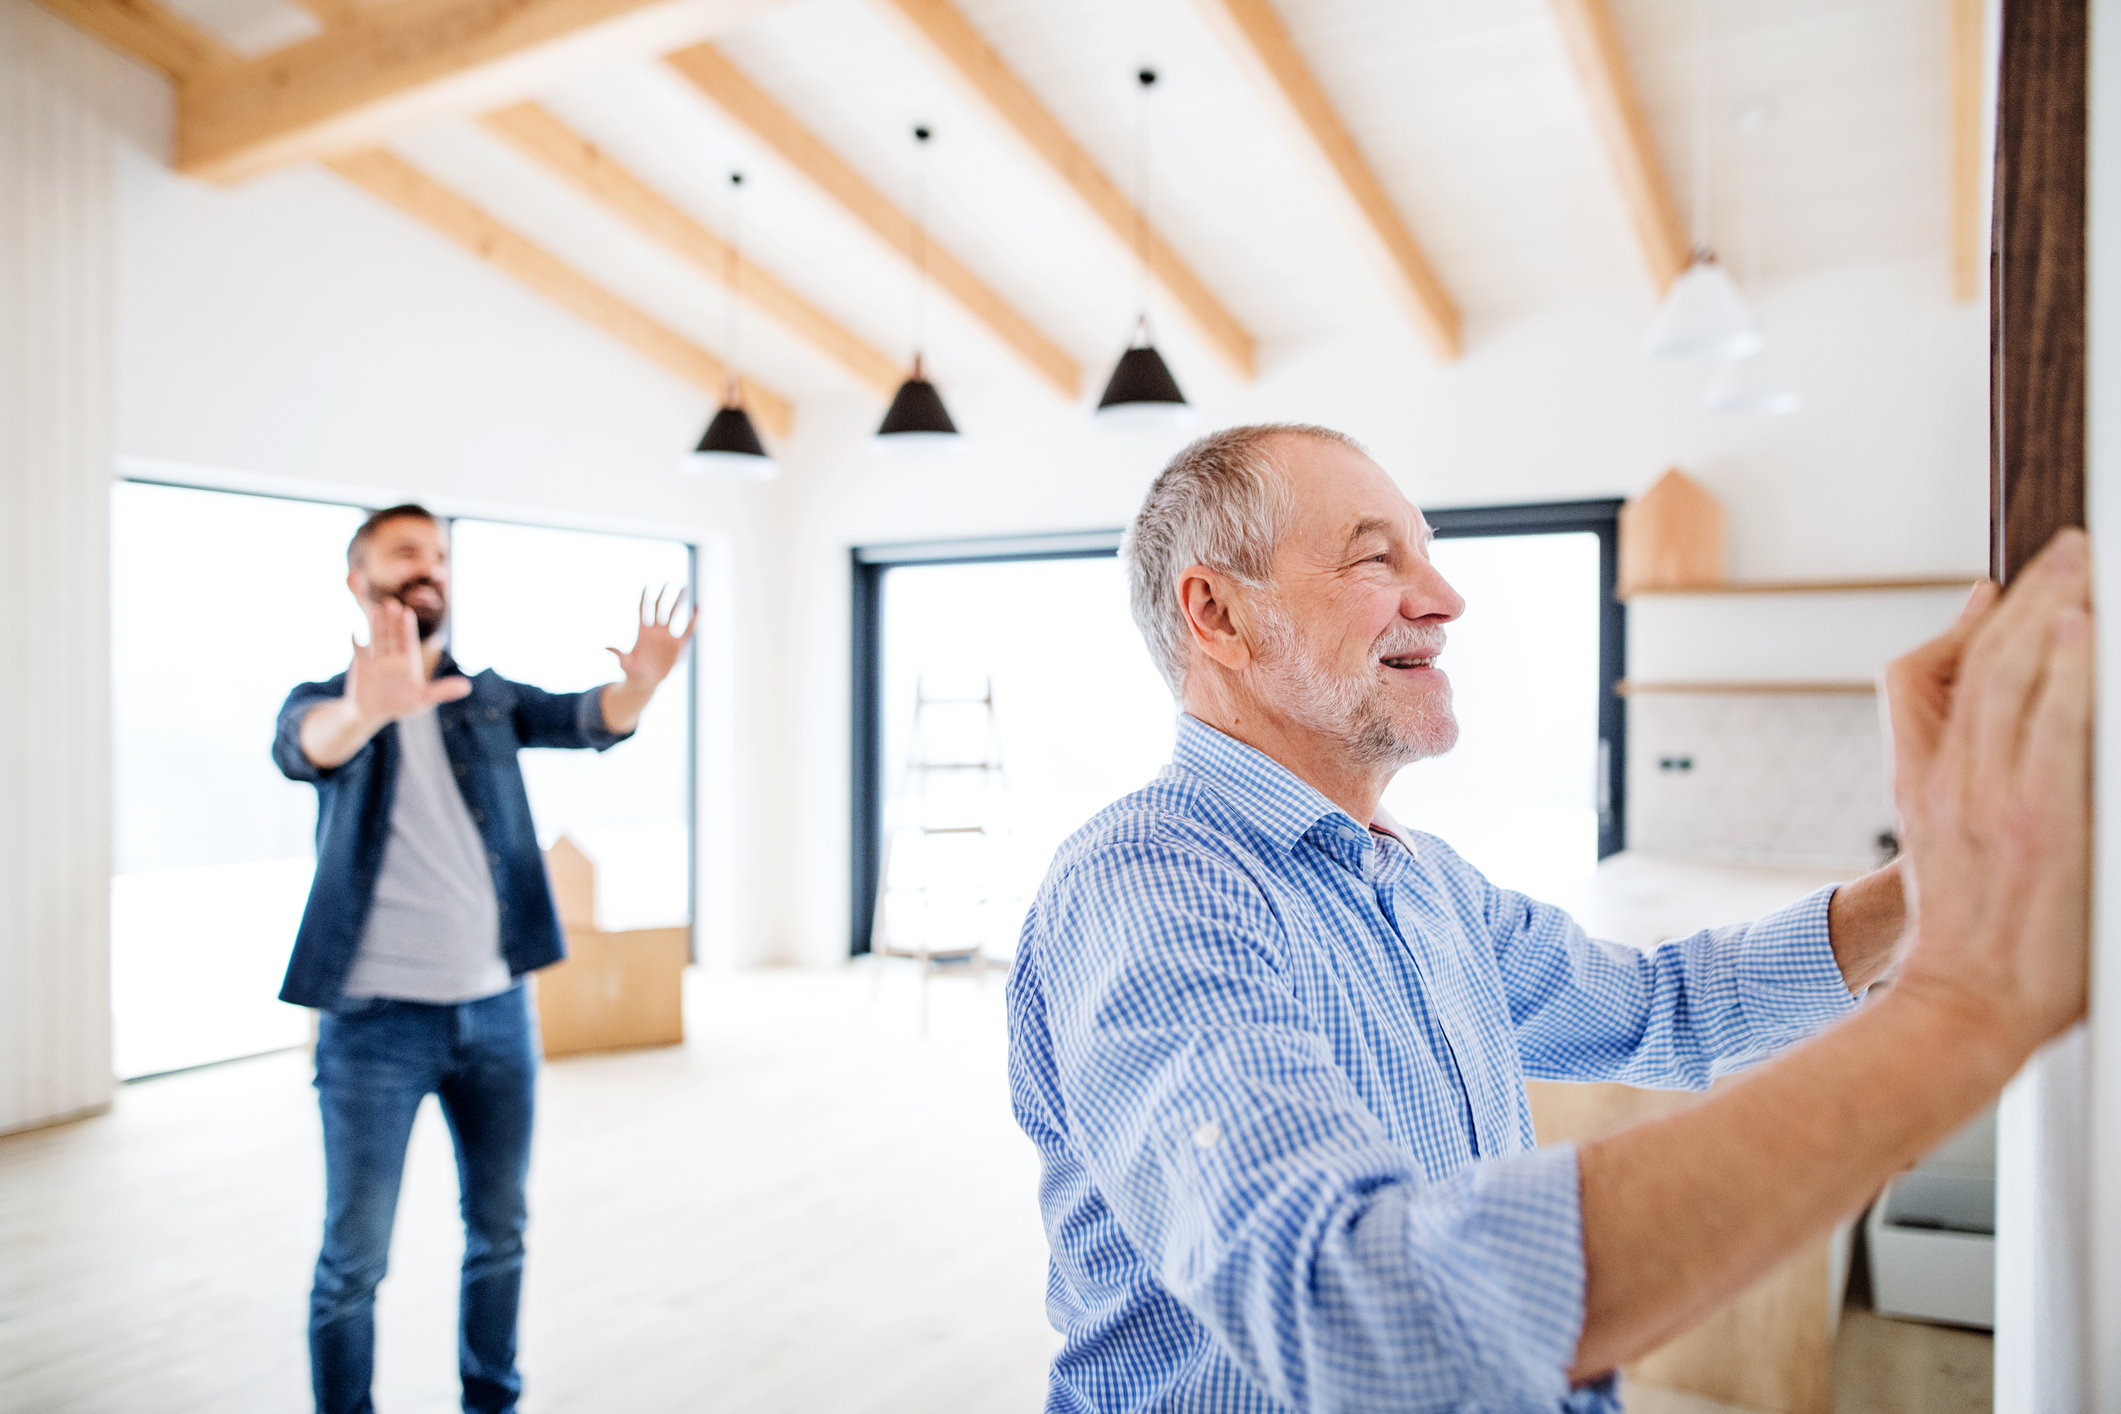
{"x":1641,"y":899}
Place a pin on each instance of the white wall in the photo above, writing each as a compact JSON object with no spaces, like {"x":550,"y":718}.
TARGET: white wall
{"x":2058,"y":1199}
{"x":61,"y":97}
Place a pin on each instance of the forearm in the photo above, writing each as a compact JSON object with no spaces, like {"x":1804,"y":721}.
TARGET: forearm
{"x":623,"y":702}
{"x":1681,"y":1214}
{"x":334,"y":732}
{"x":1866,"y":920}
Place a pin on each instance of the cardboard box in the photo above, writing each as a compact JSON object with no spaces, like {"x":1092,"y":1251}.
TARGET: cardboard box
{"x":614,"y":991}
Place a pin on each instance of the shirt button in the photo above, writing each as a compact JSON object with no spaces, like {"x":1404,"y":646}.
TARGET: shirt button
{"x":1208,"y":1135}
{"x":478,"y":817}
{"x":503,"y":905}
{"x":492,"y":858}
{"x":493,"y":714}
{"x":463,"y":770}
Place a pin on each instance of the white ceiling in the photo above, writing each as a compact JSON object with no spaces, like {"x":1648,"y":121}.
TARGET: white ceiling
{"x":1469,"y":112}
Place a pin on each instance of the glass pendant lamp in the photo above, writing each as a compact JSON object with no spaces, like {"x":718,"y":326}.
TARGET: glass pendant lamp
{"x":1702,"y":314}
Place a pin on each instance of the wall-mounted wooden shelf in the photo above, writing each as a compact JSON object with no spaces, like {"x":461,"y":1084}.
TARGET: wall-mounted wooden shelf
{"x":1813,"y":586}
{"x":1769,"y":689}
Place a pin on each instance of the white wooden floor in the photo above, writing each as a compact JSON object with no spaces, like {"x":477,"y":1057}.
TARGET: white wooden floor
{"x":807,"y":1208}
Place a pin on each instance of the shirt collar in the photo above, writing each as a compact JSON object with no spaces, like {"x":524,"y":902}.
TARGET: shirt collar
{"x":1272,"y":797}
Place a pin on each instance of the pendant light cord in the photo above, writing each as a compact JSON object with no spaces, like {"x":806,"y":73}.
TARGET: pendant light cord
{"x":736,"y":275}
{"x":1145,"y":80}
{"x":920,"y":247}
{"x":1701,"y":131}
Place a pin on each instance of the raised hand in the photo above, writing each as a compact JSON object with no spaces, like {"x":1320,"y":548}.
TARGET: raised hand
{"x":656,"y":646}
{"x":656,"y":643}
{"x":388,"y":678}
{"x":1992,"y":743}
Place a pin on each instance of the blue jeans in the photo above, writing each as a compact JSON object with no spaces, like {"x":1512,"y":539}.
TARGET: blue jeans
{"x":376,"y":1060}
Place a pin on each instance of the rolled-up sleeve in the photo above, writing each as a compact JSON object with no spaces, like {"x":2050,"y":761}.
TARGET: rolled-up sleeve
{"x":287,"y":751}
{"x":1675,"y":1017}
{"x":562,"y":719}
{"x":1243,"y":1166}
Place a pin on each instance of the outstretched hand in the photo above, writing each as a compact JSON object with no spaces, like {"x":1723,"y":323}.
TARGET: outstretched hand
{"x":388,"y":677}
{"x":657,"y":644}
{"x":1992,"y":755}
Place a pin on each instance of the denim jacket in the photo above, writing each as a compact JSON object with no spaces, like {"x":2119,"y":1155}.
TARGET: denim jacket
{"x":482,"y":734}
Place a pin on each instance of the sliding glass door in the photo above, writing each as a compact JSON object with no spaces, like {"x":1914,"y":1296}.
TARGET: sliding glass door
{"x":219,"y":605}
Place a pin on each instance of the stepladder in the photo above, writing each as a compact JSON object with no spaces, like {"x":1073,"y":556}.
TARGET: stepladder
{"x":943,"y":889}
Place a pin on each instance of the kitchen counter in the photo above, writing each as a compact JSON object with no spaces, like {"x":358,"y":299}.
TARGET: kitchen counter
{"x":1640,"y":900}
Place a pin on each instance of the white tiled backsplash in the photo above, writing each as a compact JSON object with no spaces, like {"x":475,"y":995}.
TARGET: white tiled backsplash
{"x":1783,"y":778}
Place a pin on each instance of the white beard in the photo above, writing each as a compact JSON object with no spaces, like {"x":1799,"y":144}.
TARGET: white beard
{"x":1352,"y":708}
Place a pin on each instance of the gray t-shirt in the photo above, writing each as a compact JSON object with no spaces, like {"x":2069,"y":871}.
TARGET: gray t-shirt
{"x":434,"y":931}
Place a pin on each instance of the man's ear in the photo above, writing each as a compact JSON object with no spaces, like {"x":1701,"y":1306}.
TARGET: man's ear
{"x":1215,"y":623}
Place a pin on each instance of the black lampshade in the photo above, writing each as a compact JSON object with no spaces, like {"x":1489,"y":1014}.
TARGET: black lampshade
{"x":731,"y":431}
{"x":1141,"y":378}
{"x":731,"y":447}
{"x":917,"y":410}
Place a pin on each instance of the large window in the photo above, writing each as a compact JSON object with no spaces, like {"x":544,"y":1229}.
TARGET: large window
{"x":1079,"y":717}
{"x":1529,"y":793}
{"x":542,"y":606}
{"x":220,"y":604}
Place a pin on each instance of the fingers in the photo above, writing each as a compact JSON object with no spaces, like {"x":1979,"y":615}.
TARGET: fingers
{"x":1918,"y":686}
{"x":659,"y":620}
{"x":640,"y":615}
{"x":2008,"y":656}
{"x":449,"y":689}
{"x":2058,"y":754}
{"x":676,"y":605}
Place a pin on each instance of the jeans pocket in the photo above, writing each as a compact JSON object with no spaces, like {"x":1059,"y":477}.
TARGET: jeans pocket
{"x":354,"y":1008}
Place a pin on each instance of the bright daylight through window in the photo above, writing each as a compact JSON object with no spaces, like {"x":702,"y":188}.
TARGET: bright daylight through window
{"x":1078,"y":717}
{"x":214,"y":848}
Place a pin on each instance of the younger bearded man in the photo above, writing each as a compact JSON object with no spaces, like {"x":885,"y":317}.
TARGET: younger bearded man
{"x":429,"y":905}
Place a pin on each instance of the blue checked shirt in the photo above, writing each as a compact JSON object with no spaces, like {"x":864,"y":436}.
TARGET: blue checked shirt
{"x":1274,"y":1063}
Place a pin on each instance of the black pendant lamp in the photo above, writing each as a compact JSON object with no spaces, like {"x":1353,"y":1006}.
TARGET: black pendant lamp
{"x":1142,"y":392}
{"x":917,"y":421}
{"x":731,"y":446}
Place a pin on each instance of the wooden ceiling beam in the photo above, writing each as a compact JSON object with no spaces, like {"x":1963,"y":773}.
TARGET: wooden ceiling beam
{"x":158,"y":38}
{"x":537,"y":134}
{"x":357,"y":85}
{"x":1592,"y":38}
{"x":1970,"y":157}
{"x":965,"y":52}
{"x":1257,"y":33}
{"x":331,"y":13}
{"x":707,"y":69}
{"x":450,"y":216}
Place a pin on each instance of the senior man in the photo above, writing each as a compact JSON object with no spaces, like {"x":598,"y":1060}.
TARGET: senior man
{"x":1272,"y":1048}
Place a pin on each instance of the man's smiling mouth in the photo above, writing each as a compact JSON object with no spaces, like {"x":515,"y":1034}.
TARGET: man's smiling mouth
{"x":1409,"y":660}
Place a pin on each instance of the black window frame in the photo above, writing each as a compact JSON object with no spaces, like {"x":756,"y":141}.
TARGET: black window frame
{"x":1599,"y":517}
{"x":869,"y":564}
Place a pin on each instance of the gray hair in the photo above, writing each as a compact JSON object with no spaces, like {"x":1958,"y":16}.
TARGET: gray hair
{"x":1223,"y":502}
